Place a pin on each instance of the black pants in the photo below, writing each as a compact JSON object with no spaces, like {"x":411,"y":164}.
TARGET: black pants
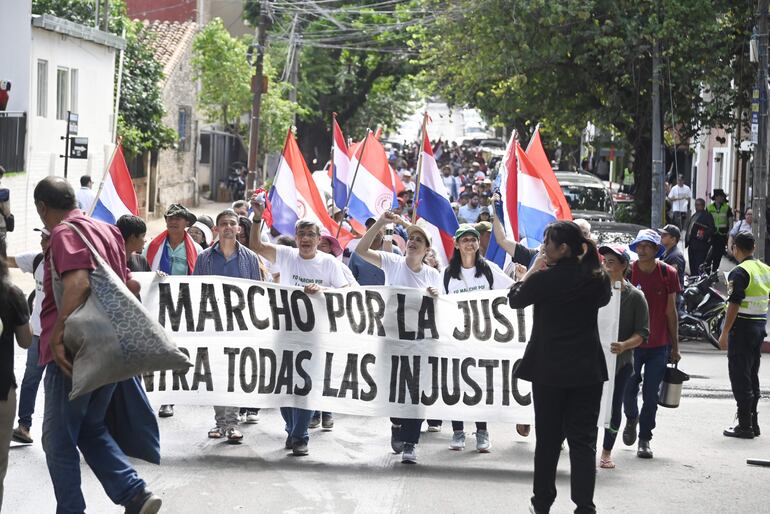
{"x":718,"y":246}
{"x":459,"y":425}
{"x":743,"y":355}
{"x":570,"y":412}
{"x":696,"y":254}
{"x":410,"y":429}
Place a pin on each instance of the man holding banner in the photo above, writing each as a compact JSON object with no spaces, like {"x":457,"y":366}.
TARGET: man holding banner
{"x":305,"y":267}
{"x":408,"y":271}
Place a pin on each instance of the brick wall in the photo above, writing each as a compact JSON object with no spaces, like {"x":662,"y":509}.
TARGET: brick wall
{"x":164,"y":10}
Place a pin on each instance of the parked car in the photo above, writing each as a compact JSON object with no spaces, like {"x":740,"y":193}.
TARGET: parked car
{"x":587,"y":196}
{"x":612,"y":232}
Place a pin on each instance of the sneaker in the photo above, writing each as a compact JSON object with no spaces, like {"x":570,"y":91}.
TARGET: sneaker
{"x":629,"y":433}
{"x":233,"y":435}
{"x":166,"y":411}
{"x":395,"y":439}
{"x":299,"y":448}
{"x":287,"y":444}
{"x":482,"y":441}
{"x":410,"y":454}
{"x":314,"y":422}
{"x":21,"y":435}
{"x":143,"y":503}
{"x":327,"y":421}
{"x":217,"y":433}
{"x":739,"y":432}
{"x":251,"y":417}
{"x":644,"y":451}
{"x":458,"y":441}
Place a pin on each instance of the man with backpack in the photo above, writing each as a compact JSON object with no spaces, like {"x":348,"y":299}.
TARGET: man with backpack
{"x":31,"y":262}
{"x":660,"y":284}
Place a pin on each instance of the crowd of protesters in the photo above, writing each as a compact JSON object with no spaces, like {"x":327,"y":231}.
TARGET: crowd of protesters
{"x":566,"y":281}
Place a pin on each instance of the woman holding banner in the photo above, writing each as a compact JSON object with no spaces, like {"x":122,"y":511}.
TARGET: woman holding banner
{"x":633,"y":329}
{"x":564,"y":359}
{"x":407,"y":271}
{"x":469,"y":271}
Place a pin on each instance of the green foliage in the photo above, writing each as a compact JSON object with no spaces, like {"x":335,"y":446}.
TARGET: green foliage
{"x":569,"y":62}
{"x":140,"y":122}
{"x":220,"y":63}
{"x":79,"y":11}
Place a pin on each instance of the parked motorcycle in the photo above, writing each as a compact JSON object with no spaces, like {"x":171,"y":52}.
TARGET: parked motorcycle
{"x":704,"y":309}
{"x":236,"y":183}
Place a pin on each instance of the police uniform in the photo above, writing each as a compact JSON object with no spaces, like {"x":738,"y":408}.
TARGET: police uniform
{"x":721,"y":215}
{"x":749,"y":287}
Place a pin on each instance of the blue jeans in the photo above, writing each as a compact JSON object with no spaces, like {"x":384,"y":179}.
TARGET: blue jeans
{"x":621,"y":379}
{"x":654,"y":361}
{"x":79,"y":424}
{"x":297,"y":421}
{"x":29,"y":384}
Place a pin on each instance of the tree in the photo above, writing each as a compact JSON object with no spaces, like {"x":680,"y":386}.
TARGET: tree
{"x":569,"y":62}
{"x":354,"y":60}
{"x":221,"y":64}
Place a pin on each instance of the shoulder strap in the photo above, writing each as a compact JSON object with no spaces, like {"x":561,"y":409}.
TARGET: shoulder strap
{"x":446,"y":280}
{"x":663,"y":270}
{"x":36,"y":261}
{"x":488,"y":274}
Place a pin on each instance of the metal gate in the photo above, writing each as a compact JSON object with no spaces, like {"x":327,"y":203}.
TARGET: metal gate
{"x":13,"y":134}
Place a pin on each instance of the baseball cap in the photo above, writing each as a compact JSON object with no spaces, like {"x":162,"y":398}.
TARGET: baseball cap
{"x":483,"y":226}
{"x":181,"y":211}
{"x":43,"y":231}
{"x":419,"y":229}
{"x":466,"y":228}
{"x":671,"y":230}
{"x":649,"y":235}
{"x":617,"y":250}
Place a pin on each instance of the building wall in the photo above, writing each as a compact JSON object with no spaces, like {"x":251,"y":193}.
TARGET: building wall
{"x":163,"y":10}
{"x":14,"y":65}
{"x":176,"y":166}
{"x":95,"y":65}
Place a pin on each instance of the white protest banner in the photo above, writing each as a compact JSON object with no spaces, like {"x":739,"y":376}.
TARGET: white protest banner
{"x":375,"y":351}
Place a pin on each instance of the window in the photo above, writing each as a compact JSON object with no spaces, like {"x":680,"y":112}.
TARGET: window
{"x":205,"y":144}
{"x":62,"y":93}
{"x":42,"y":88}
{"x":183,"y":128}
{"x":74,"y":90}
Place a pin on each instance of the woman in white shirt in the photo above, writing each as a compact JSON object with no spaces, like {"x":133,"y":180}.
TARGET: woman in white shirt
{"x":407,"y":271}
{"x":468,"y":271}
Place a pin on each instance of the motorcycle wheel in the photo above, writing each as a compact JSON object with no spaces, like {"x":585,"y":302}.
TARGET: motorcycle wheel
{"x":715,"y":330}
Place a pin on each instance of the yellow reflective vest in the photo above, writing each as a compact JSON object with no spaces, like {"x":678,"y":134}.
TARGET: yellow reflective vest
{"x":754,"y":304}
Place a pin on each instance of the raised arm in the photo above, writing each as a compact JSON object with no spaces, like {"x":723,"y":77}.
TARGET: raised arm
{"x":509,"y":245}
{"x":266,"y":250}
{"x":364,"y":248}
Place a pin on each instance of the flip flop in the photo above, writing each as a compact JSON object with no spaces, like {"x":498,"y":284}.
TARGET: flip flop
{"x":606,"y":464}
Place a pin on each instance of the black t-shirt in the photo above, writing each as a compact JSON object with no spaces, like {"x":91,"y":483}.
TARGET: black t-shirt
{"x":14,"y":313}
{"x":138,"y":262}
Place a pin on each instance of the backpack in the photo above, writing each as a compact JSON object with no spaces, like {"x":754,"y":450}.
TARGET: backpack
{"x":487,"y":274}
{"x":35,"y":263}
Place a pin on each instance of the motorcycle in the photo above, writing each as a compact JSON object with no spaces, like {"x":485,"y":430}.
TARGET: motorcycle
{"x":704,"y":309}
{"x":236,"y":184}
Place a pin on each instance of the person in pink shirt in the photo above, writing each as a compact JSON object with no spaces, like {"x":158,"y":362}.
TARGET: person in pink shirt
{"x":72,"y":425}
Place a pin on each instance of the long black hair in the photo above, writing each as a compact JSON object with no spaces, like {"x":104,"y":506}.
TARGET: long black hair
{"x":456,"y":263}
{"x":5,"y":281}
{"x":581,"y":248}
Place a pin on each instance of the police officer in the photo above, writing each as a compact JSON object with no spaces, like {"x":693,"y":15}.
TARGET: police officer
{"x":744,"y":332}
{"x":723,"y":217}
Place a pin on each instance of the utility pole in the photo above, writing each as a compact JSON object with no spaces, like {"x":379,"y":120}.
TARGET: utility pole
{"x":658,"y":178}
{"x":106,"y":16}
{"x":257,"y":88}
{"x":759,"y":185}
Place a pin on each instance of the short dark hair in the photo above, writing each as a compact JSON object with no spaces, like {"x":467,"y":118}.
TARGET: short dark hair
{"x":131,"y":226}
{"x":745,"y":241}
{"x":240,"y":203}
{"x":286,"y":241}
{"x":55,"y":193}
{"x":85,"y":180}
{"x":226,"y":213}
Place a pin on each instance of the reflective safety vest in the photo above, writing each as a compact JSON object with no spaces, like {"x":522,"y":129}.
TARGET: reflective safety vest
{"x":720,"y":217}
{"x":754,"y":305}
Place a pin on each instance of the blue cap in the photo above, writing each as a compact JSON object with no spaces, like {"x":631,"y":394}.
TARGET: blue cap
{"x":651,"y":236}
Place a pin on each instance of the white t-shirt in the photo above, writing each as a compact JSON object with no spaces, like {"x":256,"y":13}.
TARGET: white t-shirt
{"x":397,"y":273}
{"x":470,"y":282}
{"x":677,"y":192}
{"x":85,"y":197}
{"x":323,"y":269}
{"x":25,"y":261}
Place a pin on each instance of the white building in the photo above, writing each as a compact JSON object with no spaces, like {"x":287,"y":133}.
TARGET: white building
{"x":56,"y":66}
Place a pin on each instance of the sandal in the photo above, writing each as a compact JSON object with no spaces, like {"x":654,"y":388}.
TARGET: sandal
{"x":233,"y":435}
{"x":606,"y":464}
{"x":216,"y":433}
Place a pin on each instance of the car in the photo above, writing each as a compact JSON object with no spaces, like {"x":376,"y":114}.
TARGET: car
{"x":587,"y":196}
{"x":614,"y":233}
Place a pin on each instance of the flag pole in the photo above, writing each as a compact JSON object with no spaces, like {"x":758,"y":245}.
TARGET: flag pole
{"x":352,"y":183}
{"x":331,"y":161}
{"x":419,"y":166}
{"x":104,"y":177}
